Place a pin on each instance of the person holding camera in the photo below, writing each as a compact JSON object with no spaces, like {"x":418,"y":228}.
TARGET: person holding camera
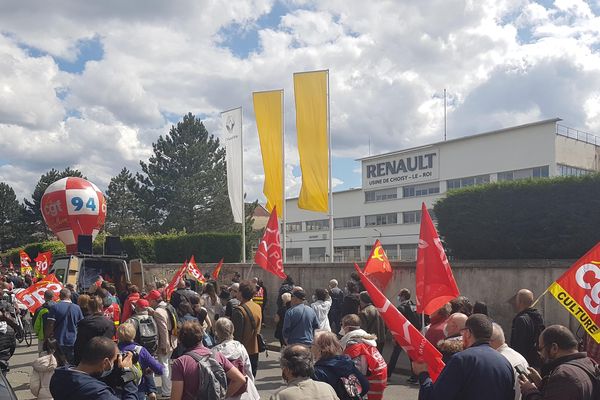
{"x":101,"y":371}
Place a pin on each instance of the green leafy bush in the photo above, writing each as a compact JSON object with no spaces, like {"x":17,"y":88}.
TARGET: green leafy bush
{"x":171,"y":248}
{"x":539,"y":218}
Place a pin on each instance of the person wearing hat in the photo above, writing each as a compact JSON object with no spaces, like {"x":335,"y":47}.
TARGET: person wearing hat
{"x":300,"y":320}
{"x":165,"y":318}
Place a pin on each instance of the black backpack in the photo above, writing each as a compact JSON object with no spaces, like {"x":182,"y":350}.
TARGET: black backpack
{"x":409,"y":310}
{"x":146,"y":332}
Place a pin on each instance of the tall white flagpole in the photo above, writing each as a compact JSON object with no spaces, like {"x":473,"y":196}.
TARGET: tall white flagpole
{"x":283,"y":205}
{"x":330,"y":182}
{"x":242,"y":187}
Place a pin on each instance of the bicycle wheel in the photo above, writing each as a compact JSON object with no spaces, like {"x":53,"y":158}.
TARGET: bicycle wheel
{"x":27,"y":332}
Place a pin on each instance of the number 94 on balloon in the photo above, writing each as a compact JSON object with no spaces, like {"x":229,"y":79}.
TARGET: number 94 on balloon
{"x":82,"y":202}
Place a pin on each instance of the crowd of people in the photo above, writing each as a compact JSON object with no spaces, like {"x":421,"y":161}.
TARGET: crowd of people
{"x":205,"y":342}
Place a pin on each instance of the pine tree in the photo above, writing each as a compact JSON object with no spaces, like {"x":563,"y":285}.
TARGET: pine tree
{"x":123,"y":207}
{"x":184,"y":184}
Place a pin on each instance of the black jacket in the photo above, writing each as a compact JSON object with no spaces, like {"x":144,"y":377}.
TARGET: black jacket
{"x":68,"y":384}
{"x":526,"y":328}
{"x":89,"y":327}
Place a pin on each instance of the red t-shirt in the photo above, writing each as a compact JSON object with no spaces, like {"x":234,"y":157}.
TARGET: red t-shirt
{"x":185,"y":369}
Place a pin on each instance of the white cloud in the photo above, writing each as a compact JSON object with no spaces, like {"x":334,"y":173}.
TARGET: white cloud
{"x":503,"y":62}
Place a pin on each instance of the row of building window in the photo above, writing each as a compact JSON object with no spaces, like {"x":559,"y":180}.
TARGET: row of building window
{"x":407,"y":217}
{"x":428,"y":189}
{"x":402,"y":252}
{"x":567,"y":170}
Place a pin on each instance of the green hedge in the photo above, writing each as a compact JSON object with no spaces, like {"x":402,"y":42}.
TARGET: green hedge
{"x":538,"y":218}
{"x":171,"y":248}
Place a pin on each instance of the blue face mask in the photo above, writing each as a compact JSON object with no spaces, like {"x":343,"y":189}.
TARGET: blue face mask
{"x":107,"y":373}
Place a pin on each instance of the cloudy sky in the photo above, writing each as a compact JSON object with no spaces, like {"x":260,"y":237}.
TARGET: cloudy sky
{"x":91,"y":84}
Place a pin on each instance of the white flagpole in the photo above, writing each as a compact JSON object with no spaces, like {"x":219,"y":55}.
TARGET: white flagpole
{"x":283,"y":205}
{"x":242,"y":188}
{"x":330,"y":184}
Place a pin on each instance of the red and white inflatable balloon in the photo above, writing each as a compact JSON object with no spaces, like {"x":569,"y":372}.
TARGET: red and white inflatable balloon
{"x":72,"y":207}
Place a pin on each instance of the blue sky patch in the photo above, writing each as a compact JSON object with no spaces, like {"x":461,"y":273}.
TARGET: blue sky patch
{"x":243,"y":39}
{"x":88,"y":50}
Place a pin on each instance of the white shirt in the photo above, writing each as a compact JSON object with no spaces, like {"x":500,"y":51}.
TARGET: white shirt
{"x":514,"y":358}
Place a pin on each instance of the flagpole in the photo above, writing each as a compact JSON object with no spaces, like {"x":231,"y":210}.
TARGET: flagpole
{"x":242,"y":184}
{"x":538,"y":299}
{"x":331,"y":259}
{"x":283,"y":205}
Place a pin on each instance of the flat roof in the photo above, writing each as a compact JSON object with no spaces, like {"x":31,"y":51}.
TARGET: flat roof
{"x":334,"y":192}
{"x":543,"y":122}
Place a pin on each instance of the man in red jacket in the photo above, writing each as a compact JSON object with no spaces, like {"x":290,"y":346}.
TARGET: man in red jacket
{"x":134,"y":296}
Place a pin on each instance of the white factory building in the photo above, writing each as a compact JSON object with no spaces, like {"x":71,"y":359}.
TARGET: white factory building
{"x":387,"y":206}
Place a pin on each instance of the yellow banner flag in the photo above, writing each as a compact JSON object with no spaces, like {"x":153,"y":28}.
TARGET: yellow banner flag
{"x":269,"y":122}
{"x":310,"y":92}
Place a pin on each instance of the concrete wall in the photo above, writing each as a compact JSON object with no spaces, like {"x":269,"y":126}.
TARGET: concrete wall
{"x":493,"y":281}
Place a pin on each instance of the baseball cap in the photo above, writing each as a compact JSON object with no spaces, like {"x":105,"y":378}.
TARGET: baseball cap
{"x":153,"y":295}
{"x":141,"y":304}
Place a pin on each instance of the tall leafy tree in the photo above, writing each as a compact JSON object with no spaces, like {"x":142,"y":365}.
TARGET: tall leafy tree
{"x":33,"y":207}
{"x":12,"y":232}
{"x":123,"y":207}
{"x":184,"y":184}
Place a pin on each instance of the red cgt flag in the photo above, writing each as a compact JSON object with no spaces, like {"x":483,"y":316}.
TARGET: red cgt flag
{"x":268,"y":256}
{"x":406,"y":335}
{"x":217,"y":270}
{"x":42,"y":263}
{"x":435,"y":283}
{"x":195,"y":271}
{"x":25,"y":263}
{"x":378,"y":268}
{"x":33,"y":296}
{"x":170,"y":288}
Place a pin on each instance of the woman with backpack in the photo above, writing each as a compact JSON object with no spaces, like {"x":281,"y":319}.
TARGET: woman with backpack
{"x":198,"y":374}
{"x":362,"y":349}
{"x":235,"y":352}
{"x":337,"y":369}
{"x":147,"y":364}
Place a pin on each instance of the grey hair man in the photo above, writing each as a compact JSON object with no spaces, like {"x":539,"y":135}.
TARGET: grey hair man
{"x":335,"y":312}
{"x":516,"y":360}
{"x":296,"y":368}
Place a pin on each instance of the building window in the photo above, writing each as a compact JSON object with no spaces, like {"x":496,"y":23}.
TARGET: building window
{"x":381,"y":195}
{"x":421,"y":190}
{"x":567,"y":170}
{"x":408,"y":252}
{"x":465,"y":182}
{"x":316,"y":254}
{"x":411,"y":217}
{"x":527,"y":173}
{"x":381,"y":219}
{"x":293,"y":255}
{"x":294,"y":227}
{"x":347,"y":253}
{"x":347,"y":222}
{"x":317,"y":225}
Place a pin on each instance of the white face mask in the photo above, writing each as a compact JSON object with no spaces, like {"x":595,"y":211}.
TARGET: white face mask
{"x":446,"y":331}
{"x":106,"y":373}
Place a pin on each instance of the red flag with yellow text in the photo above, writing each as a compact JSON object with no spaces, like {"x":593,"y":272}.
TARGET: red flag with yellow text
{"x":406,"y":335}
{"x":435,"y":283}
{"x":578,"y":290}
{"x":269,"y":256}
{"x":217,"y":270}
{"x":378,"y":268}
{"x":25,"y":263}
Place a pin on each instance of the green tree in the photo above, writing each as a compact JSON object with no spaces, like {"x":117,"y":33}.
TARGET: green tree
{"x":123,"y":207}
{"x":11,"y":222}
{"x":184,"y":184}
{"x":33,"y":207}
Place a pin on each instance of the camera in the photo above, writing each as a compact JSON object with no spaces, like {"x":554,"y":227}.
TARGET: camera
{"x":521,"y":370}
{"x":135,"y":355}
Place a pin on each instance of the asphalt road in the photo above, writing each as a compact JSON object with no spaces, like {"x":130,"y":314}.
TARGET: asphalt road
{"x":268,"y":380}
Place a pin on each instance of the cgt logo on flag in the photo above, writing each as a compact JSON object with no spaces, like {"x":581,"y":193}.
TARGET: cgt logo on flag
{"x":578,"y":290}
